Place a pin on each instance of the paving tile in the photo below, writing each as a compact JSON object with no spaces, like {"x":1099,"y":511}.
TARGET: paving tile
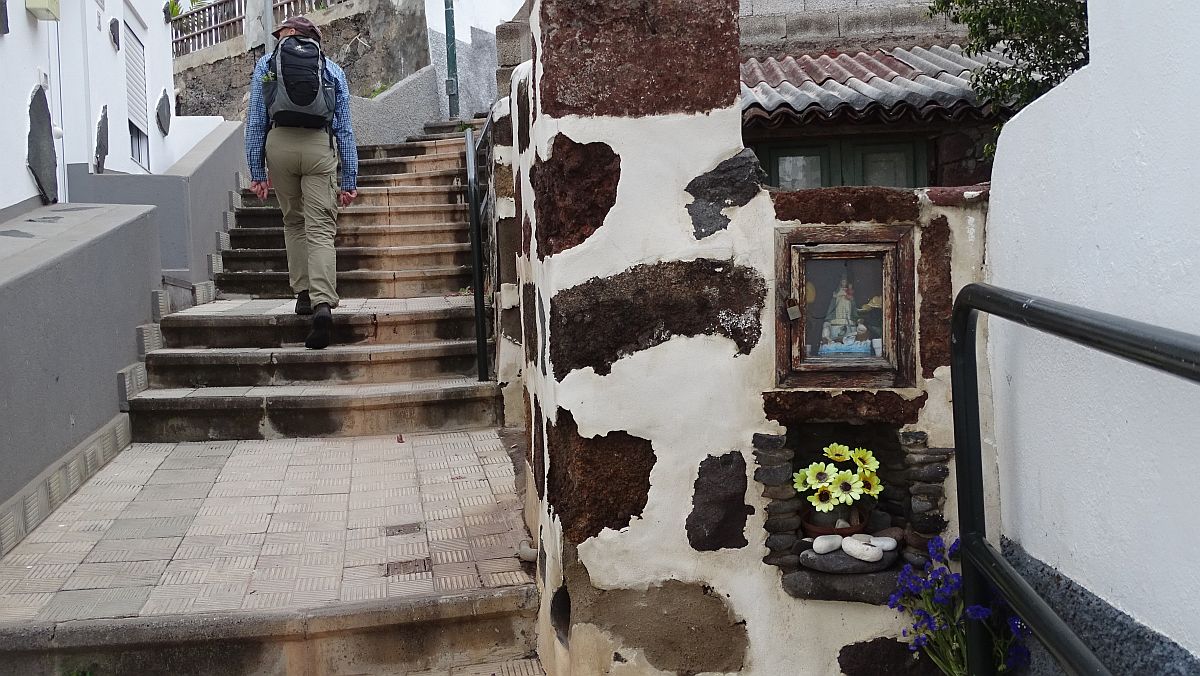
{"x":531,"y":667}
{"x":175,"y":491}
{"x":364,"y":591}
{"x":183,"y":476}
{"x":123,"y":574}
{"x":457,"y":583}
{"x":145,"y":509}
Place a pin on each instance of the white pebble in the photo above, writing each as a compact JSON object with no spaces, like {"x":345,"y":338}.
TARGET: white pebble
{"x":861,"y":550}
{"x":886,"y":544}
{"x":861,"y":537}
{"x":841,"y":523}
{"x":827,"y":543}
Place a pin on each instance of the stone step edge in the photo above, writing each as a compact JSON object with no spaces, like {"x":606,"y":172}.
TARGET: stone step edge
{"x":194,"y":320}
{"x":402,"y":250}
{"x":146,"y":402}
{"x":419,"y":273}
{"x":378,"y":353}
{"x":115,"y":633}
{"x":364,"y":228}
{"x":365,"y":209}
{"x":397,"y":190}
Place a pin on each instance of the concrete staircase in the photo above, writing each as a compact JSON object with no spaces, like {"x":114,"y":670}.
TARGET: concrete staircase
{"x":403,"y":358}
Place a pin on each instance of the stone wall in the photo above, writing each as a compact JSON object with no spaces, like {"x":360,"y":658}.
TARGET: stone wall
{"x":476,"y":63}
{"x":379,"y":43}
{"x":648,"y":281}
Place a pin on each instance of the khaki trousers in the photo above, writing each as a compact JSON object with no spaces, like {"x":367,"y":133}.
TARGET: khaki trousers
{"x":303,"y":171}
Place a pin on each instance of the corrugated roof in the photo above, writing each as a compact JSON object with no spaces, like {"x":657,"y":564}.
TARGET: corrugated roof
{"x":917,"y":83}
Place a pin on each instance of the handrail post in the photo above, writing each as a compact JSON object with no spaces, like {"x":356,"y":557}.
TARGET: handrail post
{"x":964,"y":378}
{"x":481,"y":354}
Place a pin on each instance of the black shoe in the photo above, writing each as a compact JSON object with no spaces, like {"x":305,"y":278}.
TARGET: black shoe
{"x":303,"y":304}
{"x":322,"y":328}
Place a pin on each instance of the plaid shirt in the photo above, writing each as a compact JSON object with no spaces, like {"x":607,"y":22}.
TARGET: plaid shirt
{"x":257,"y":125}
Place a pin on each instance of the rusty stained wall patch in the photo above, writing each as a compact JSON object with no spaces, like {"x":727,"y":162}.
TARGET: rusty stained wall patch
{"x":937,"y":295}
{"x":614,"y":57}
{"x":595,"y":483}
{"x":604,"y":319}
{"x":831,"y":206}
{"x":701,"y":635}
{"x":574,"y":191}
{"x":719,"y":509}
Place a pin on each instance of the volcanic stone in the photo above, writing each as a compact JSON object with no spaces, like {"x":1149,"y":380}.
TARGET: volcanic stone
{"x":937,"y":472}
{"x":769,"y":442}
{"x":785,"y":506}
{"x":878,"y":520}
{"x":841,"y":563}
{"x":782,"y":524}
{"x":928,"y":457}
{"x":920,"y":505}
{"x":873,"y":588}
{"x":775,"y":475}
{"x":914,"y":439}
{"x":915,"y":557}
{"x":931,"y":490}
{"x":781,"y":541}
{"x":802,"y":545}
{"x":779,"y":457}
{"x":929,"y":522}
{"x":784,"y":560}
{"x":896,"y":534}
{"x":779,"y":492}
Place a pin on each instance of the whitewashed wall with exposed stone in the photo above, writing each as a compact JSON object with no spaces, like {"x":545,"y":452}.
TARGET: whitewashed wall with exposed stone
{"x":683,"y":400}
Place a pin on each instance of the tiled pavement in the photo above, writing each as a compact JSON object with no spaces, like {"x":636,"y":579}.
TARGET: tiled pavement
{"x":286,"y":524}
{"x":510,"y":668}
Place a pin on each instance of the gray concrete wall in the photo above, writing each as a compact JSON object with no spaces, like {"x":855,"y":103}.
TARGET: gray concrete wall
{"x":476,"y":72}
{"x":74,"y":284}
{"x":399,"y":112}
{"x":192,"y":198}
{"x":775,"y":27}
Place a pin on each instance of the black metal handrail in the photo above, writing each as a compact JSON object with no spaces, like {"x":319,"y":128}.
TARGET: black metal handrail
{"x":475,"y":219}
{"x":1167,"y":350}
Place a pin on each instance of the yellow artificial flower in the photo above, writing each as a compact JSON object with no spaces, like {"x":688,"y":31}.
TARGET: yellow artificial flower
{"x":823,"y":500}
{"x":818,"y":474}
{"x":871,"y":485}
{"x":864,"y":459}
{"x":847,"y":487}
{"x":837,"y":452}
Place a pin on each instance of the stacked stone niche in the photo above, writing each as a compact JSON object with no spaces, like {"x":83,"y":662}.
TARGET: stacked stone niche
{"x":910,"y":508}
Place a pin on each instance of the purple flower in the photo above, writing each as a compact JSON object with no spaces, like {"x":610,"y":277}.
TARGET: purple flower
{"x":978,"y":613}
{"x":937,"y":548}
{"x":919,"y":642}
{"x":924,"y":619}
{"x":1017,"y":627}
{"x":1018,"y":656}
{"x":953,"y":548}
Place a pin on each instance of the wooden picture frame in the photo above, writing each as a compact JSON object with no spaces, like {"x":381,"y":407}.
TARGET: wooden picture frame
{"x":795,"y":247}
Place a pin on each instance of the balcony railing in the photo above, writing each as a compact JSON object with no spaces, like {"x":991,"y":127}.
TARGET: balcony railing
{"x":208,"y":25}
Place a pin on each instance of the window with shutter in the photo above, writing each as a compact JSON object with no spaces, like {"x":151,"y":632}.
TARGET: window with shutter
{"x":135,"y":80}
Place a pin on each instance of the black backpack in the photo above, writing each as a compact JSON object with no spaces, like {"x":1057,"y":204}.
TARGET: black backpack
{"x":299,"y":94}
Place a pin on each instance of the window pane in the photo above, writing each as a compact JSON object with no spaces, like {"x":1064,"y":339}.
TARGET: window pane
{"x":844,"y":308}
{"x":890,"y":168}
{"x":798,"y":172}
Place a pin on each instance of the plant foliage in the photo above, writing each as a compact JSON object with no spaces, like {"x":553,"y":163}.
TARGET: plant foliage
{"x":1046,"y":39}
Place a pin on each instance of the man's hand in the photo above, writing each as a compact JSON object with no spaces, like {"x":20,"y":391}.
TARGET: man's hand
{"x":261,"y":188}
{"x":345,"y":197}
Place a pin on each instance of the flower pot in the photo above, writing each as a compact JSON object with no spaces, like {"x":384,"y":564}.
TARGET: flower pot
{"x":855,"y":514}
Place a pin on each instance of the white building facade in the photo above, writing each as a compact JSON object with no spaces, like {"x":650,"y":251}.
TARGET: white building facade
{"x":94,"y":59}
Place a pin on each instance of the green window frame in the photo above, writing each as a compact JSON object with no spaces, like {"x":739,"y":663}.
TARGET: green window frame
{"x":842,"y":160}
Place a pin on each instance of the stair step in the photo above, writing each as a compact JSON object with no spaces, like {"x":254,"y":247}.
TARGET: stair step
{"x":438,"y":634}
{"x":335,"y":365}
{"x":287,"y":411}
{"x":266,"y":216}
{"x":450,"y":126}
{"x":396,"y":196}
{"x":416,"y":163}
{"x":355,"y":258}
{"x":433,"y":177}
{"x":410,"y":148}
{"x":360,"y":235}
{"x":273,"y":324}
{"x":355,"y":283}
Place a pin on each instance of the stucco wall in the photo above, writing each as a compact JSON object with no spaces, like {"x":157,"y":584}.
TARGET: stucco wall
{"x":475,"y":24}
{"x":1093,"y":205}
{"x":71,"y":297}
{"x":622,"y":549}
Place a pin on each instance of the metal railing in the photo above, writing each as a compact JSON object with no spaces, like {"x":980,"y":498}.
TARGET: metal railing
{"x":1167,"y":350}
{"x":475,"y":217}
{"x":208,"y":25}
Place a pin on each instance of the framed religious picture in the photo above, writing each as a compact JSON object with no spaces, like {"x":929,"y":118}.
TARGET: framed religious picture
{"x":846,"y":299}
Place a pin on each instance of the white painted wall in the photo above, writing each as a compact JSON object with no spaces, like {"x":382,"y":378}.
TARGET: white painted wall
{"x":1093,"y":203}
{"x":482,"y":14}
{"x":91,"y":75}
{"x":24,"y":51}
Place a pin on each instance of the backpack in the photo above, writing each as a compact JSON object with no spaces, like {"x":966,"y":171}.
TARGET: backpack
{"x":299,"y":94}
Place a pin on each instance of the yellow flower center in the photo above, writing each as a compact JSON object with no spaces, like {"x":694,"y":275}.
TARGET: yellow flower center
{"x":845,"y":486}
{"x":824,"y":496}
